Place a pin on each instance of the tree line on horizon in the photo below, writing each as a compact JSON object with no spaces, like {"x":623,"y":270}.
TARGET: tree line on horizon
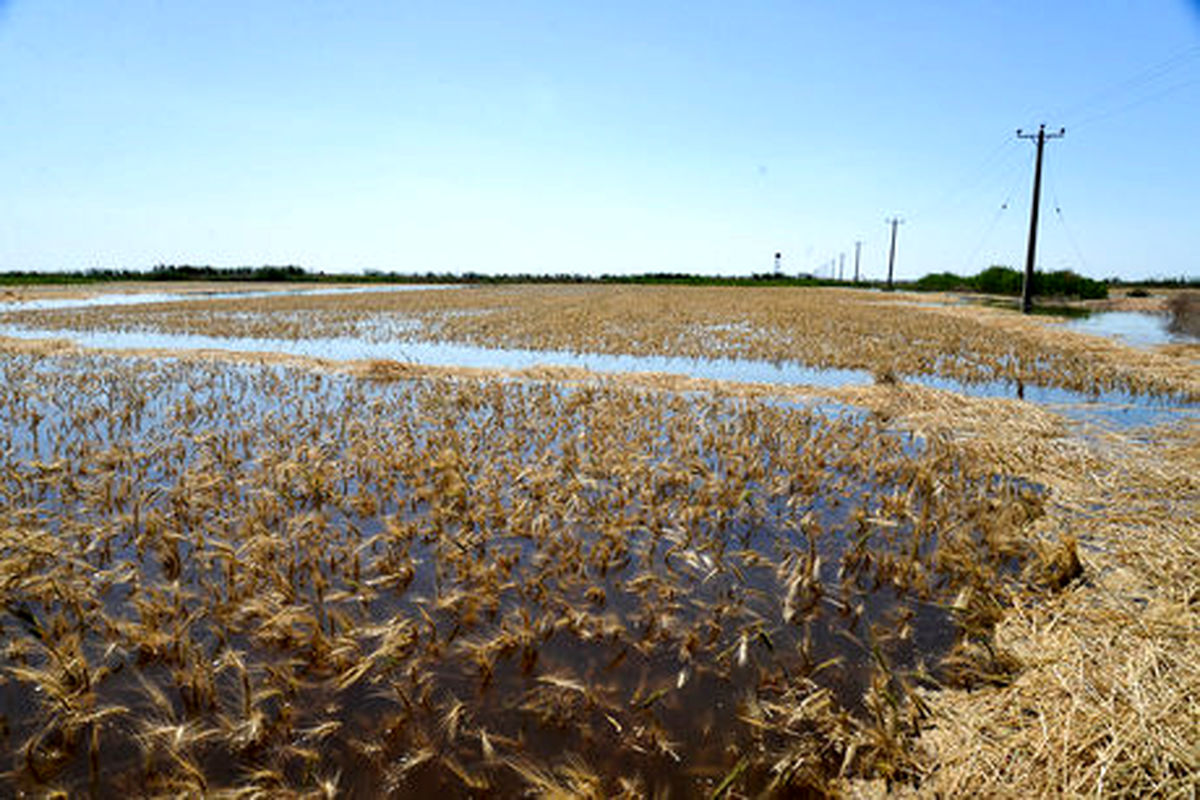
{"x":996,"y":279}
{"x":1002,"y":280}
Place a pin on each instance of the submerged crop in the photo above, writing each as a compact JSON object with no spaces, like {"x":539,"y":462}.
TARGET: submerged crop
{"x":838,"y":329}
{"x":216,"y":575}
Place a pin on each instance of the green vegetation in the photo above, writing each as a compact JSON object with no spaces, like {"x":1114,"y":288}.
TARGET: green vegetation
{"x":165,"y":272}
{"x":996,"y":279}
{"x":1007,"y":281}
{"x":291,"y":273}
{"x":1182,"y":282}
{"x":684,"y":279}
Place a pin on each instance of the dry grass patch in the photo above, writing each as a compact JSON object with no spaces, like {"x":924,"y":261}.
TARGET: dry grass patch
{"x":1104,"y":698}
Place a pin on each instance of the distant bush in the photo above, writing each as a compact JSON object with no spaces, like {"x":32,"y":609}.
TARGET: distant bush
{"x":1182,"y":282}
{"x":998,"y":279}
{"x":942,"y":282}
{"x":1185,"y":313}
{"x":1137,"y":293}
{"x":1066,"y":283}
{"x":187,"y":272}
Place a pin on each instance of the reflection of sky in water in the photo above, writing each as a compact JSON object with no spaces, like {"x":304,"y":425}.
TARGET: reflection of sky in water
{"x":702,"y":573}
{"x":144,"y":298}
{"x":1133,"y":327}
{"x":1118,"y":409}
{"x":380,"y":341}
{"x":446,"y":354}
{"x":1112,"y":408}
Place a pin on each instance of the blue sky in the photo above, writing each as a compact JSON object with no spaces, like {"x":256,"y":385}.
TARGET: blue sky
{"x":598,"y":137}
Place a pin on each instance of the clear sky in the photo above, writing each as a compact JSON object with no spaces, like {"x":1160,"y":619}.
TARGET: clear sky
{"x":562,"y":136}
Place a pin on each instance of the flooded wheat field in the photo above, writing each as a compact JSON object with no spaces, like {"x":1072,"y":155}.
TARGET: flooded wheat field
{"x":407,"y":561}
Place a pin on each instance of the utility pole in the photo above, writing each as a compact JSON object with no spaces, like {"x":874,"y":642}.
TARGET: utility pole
{"x":841,"y":265}
{"x":894,"y":221}
{"x":857,"y":253}
{"x":1041,"y":136}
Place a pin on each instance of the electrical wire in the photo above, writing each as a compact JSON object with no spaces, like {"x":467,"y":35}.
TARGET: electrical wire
{"x":995,"y":220}
{"x":997,"y":158}
{"x":1108,"y":102}
{"x":1083,"y":262}
{"x":1141,"y":101}
{"x":1094,"y":105}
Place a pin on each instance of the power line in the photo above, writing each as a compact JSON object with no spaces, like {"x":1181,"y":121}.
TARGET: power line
{"x":991,"y":227}
{"x":1031,"y":253}
{"x":1139,"y":79}
{"x":1136,"y":103}
{"x":996,"y":160}
{"x":1101,"y":103}
{"x":1083,"y":262}
{"x":1015,"y":176}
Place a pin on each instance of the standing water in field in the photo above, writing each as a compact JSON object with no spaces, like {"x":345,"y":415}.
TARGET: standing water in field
{"x":450,"y":354}
{"x":220,"y":574}
{"x":1120,"y":408}
{"x":492,"y":329}
{"x":136,"y":298}
{"x":1137,"y":328}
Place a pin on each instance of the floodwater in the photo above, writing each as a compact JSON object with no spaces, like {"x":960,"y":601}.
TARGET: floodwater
{"x":725,"y":567}
{"x":392,"y":340}
{"x":1117,"y":409}
{"x":1137,"y":328}
{"x":1113,"y":408}
{"x":450,"y":354}
{"x":145,"y":298}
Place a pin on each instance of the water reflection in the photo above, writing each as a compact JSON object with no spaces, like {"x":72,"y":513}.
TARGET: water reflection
{"x":1116,"y":408}
{"x":1138,"y":328}
{"x":146,"y":298}
{"x":449,"y":354}
{"x":649,"y":581}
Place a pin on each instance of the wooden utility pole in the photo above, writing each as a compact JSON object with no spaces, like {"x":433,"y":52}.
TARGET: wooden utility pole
{"x":1027,"y":287}
{"x":857,"y":253}
{"x":894,"y":221}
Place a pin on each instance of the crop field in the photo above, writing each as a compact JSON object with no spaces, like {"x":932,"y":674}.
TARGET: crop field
{"x":238,"y":573}
{"x":825,"y":328}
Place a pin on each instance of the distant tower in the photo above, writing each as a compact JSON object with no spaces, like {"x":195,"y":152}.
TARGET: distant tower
{"x":778,"y":266}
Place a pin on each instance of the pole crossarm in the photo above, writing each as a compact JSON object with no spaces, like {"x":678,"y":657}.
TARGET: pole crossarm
{"x":1022,"y":135}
